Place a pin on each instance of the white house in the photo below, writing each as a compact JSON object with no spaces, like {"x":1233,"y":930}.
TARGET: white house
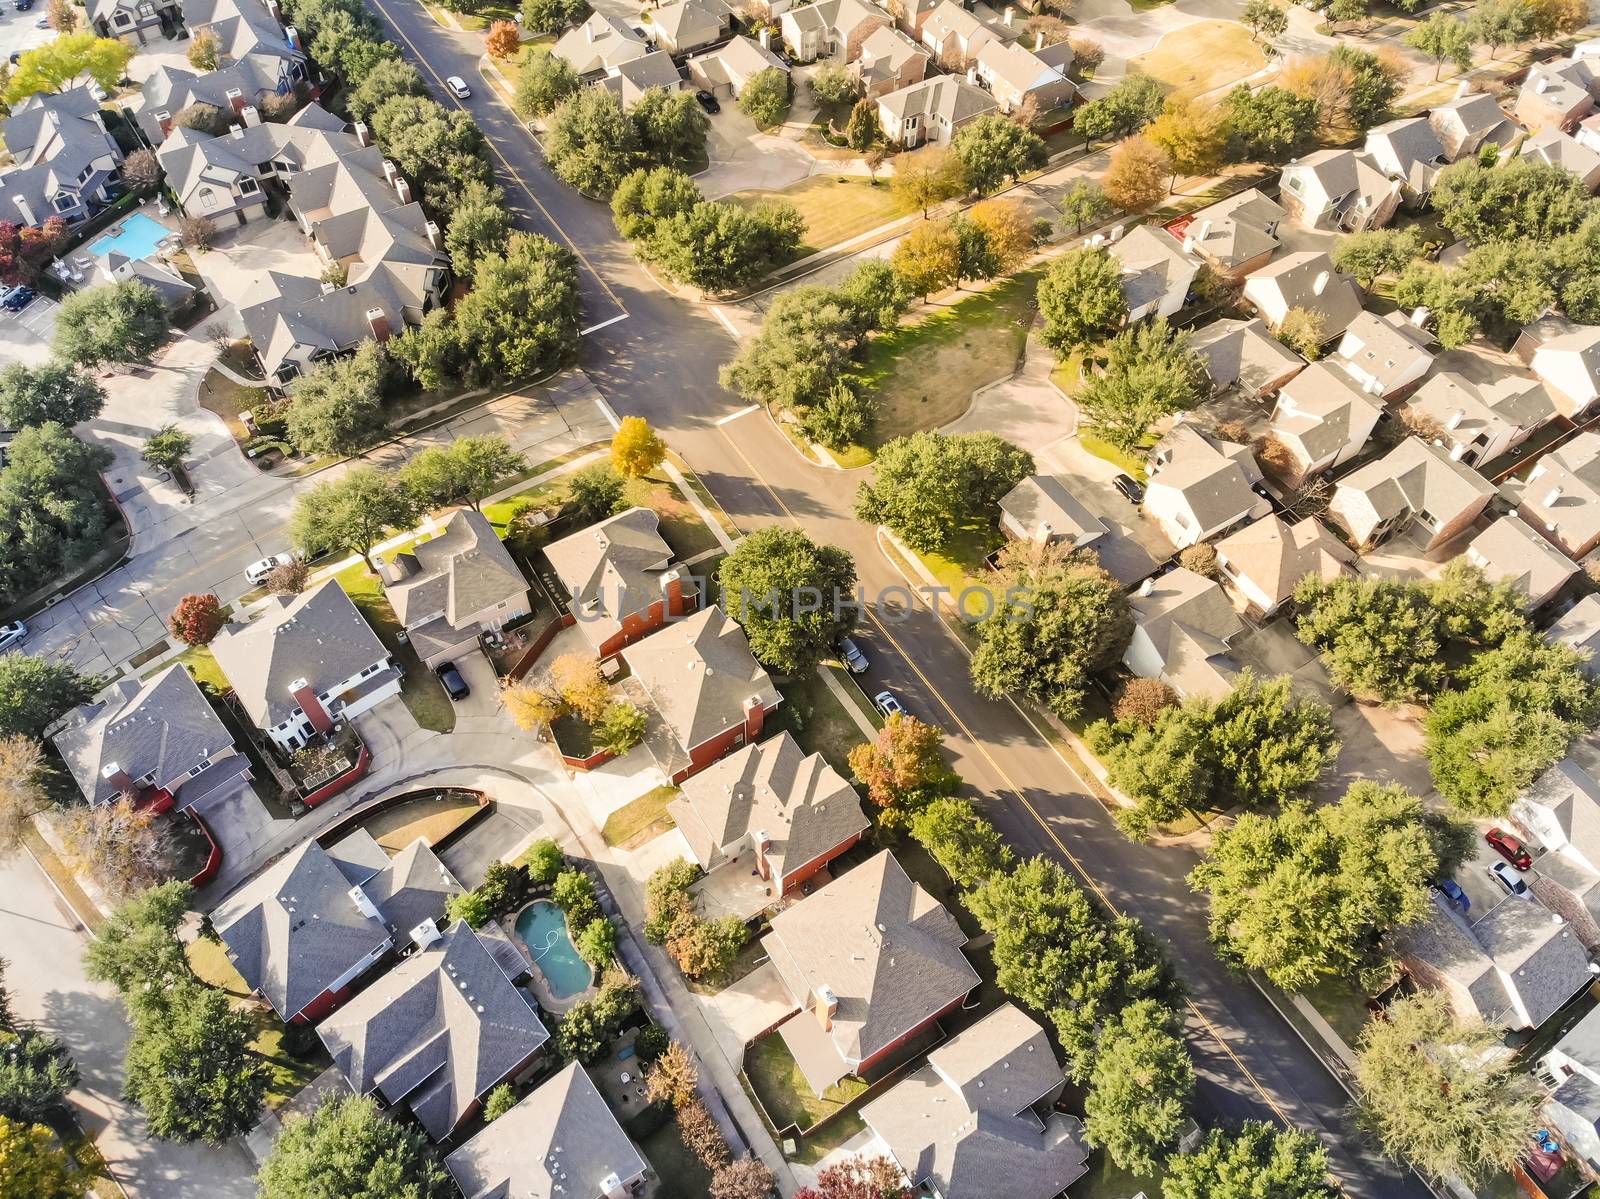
{"x":1339,"y":189}
{"x":1305,"y":280}
{"x":1324,"y":417}
{"x":1182,"y":624}
{"x":1566,"y":357}
{"x":1481,"y":421}
{"x":1200,"y":486}
{"x":1386,"y":355}
{"x":1156,"y":272}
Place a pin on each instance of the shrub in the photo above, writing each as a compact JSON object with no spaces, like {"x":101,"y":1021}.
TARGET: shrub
{"x":597,"y":943}
{"x":544,"y":861}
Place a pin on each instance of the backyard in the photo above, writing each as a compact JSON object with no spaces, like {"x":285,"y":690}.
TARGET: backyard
{"x":432,"y":815}
{"x":681,"y":1173}
{"x":1201,"y":58}
{"x":813,"y":715}
{"x":786,"y":1097}
{"x":421,"y":690}
{"x":836,"y":208}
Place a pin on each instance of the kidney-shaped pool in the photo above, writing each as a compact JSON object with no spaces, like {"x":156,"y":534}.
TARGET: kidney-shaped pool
{"x":543,"y":929}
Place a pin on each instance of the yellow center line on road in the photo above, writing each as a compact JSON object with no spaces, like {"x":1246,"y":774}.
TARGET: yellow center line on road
{"x":1200,"y":1017}
{"x":501,"y":158}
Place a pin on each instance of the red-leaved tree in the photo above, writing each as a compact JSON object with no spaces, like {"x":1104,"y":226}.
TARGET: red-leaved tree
{"x":24,"y":249}
{"x":859,"y":1178}
{"x":197,"y":619}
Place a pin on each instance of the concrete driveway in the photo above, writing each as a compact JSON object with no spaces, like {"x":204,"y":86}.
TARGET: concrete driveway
{"x":491,"y":840}
{"x":742,"y":1012}
{"x":744,"y":159}
{"x":236,"y":268}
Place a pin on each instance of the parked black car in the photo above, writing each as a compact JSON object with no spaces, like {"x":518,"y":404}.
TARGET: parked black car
{"x":1130,"y":490}
{"x":455,"y":686}
{"x":707,"y":101}
{"x":17,"y":298}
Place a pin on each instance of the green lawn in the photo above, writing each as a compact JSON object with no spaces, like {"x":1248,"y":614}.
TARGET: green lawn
{"x":1107,"y":1180}
{"x":1101,"y":449}
{"x":960,"y":565}
{"x":776,"y":1081}
{"x":924,"y":374}
{"x":836,"y":208}
{"x":681,"y":1174}
{"x":681,"y":526}
{"x":816,"y":719}
{"x":1341,"y":1005}
{"x":200,"y":662}
{"x":432,"y":817}
{"x":1201,"y":58}
{"x":422,"y":692}
{"x":644,"y":818}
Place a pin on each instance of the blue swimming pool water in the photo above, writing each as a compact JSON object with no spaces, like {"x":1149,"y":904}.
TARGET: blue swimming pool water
{"x":138,"y":238}
{"x":543,"y":930}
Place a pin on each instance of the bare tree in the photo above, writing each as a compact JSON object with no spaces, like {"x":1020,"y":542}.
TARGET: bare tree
{"x":22,"y":793}
{"x":118,"y":845}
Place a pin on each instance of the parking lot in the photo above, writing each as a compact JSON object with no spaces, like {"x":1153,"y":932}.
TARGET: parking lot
{"x":25,"y":336}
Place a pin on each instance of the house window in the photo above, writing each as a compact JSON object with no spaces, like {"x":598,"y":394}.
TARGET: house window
{"x":1294,"y":184}
{"x":123,"y":19}
{"x":248,"y":187}
{"x":65,"y":202}
{"x":202,"y":766}
{"x":147,"y":10}
{"x":83,"y":175}
{"x":208,"y":198}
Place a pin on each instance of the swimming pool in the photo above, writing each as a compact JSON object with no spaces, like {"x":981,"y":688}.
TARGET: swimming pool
{"x":137,"y":237}
{"x":543,"y":930}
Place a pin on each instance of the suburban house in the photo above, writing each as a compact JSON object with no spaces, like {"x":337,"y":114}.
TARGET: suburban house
{"x":1580,"y":155}
{"x":305,"y":661}
{"x":1469,"y":122}
{"x":1414,"y":486}
{"x":1386,"y":355}
{"x":1513,"y":967}
{"x":160,"y":278}
{"x":1156,"y":272}
{"x":981,"y":1109}
{"x":1323,"y":418}
{"x":1407,"y":150}
{"x":1264,"y":561}
{"x":157,"y":741}
{"x":438,"y":1032}
{"x":871,"y":962}
{"x":725,"y":70}
{"x":711,"y":693}
{"x":600,"y":43}
{"x":1200,"y":486}
{"x":888,"y":60}
{"x":562,"y":1140}
{"x":931,"y":111}
{"x":1481,"y":421}
{"x":454,"y":587}
{"x":1570,"y":1072}
{"x":1557,"y":93}
{"x":1013,"y":74}
{"x":1340,"y":190}
{"x":1307,"y":281}
{"x":1245,"y":355}
{"x":223,"y":177}
{"x":689,"y":24}
{"x":629,"y":81}
{"x":1560,"y":496}
{"x":249,"y":29}
{"x":1579,"y":629}
{"x":233,"y":88}
{"x":135,"y":21}
{"x":1182,"y":624}
{"x":1042,"y":508}
{"x":955,"y":35}
{"x":619,"y":579}
{"x":909,"y":15}
{"x":303,"y":931}
{"x":763,"y":822}
{"x":63,"y":161}
{"x":1561,"y":811}
{"x":1235,"y":236}
{"x":1511,"y":551}
{"x":1566,"y":357}
{"x":829,"y":27}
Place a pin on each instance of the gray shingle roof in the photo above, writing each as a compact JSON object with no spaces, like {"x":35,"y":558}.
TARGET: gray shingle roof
{"x":1213,"y":476}
{"x":1243,"y":352}
{"x":953,"y":100}
{"x":1046,"y":499}
{"x":1004,"y":1061}
{"x":889,"y":951}
{"x":463,"y":570}
{"x":1153,"y":263}
{"x":1511,"y":550}
{"x":1571,"y":797}
{"x":1292,"y":280}
{"x":1579,"y":627}
{"x":600,"y":42}
{"x":560,"y":1140}
{"x":1468,"y":411}
{"x":1323,"y":410}
{"x":438,"y":1032}
{"x":319,"y":635}
{"x":1420,"y":477}
{"x":1275,"y":556}
{"x":612,"y":569}
{"x":52,"y":139}
{"x":1235,"y":230}
{"x":700,"y":674}
{"x":163,"y":727}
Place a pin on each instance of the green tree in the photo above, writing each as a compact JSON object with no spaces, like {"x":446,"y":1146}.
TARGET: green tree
{"x":1149,"y":373}
{"x":929,"y":485}
{"x":585,"y":1032}
{"x":877,"y":294}
{"x":348,"y":1148}
{"x":720,"y":246}
{"x":137,"y":950}
{"x":1140,"y":1087}
{"x":1058,"y":953}
{"x":56,"y":63}
{"x":33,"y":1163}
{"x":644,"y":198}
{"x":1374,"y":83}
{"x":1306,"y":894}
{"x":1525,"y":199}
{"x":862,"y":129}
{"x":1259,"y":1161}
{"x":390,"y":78}
{"x":36,"y":1072}
{"x":671,"y":127}
{"x":469,"y":907}
{"x":1063,"y":618}
{"x":1380,"y":639}
{"x":480,"y":224}
{"x":621,"y":728}
{"x":967,"y":847}
{"x":337,"y":406}
{"x":501,"y":1100}
{"x":1444,"y":39}
{"x":441,"y":150}
{"x":1264,"y":19}
{"x":1124,"y":110}
{"x":1438,"y":1093}
{"x":1341,"y":12}
{"x":1081,"y":299}
{"x":993,"y":149}
{"x":34,"y":395}
{"x":1270,"y":124}
{"x":190,"y":1067}
{"x":597,"y":941}
{"x":34,"y":692}
{"x":463,"y":470}
{"x":793,"y":598}
{"x":52,"y":505}
{"x":765,"y":97}
{"x":1447,"y":295}
{"x":543,"y":81}
{"x":804,"y":345}
{"x":596,"y":492}
{"x":1084,"y":203}
{"x":832,"y":84}
{"x":544,"y":860}
{"x":1374,"y":252}
{"x":166,"y":448}
{"x":521,"y":317}
{"x":840,"y":418}
{"x":927,"y":176}
{"x":351,"y":512}
{"x":553,"y":16}
{"x":1496,"y":23}
{"x":114,"y":323}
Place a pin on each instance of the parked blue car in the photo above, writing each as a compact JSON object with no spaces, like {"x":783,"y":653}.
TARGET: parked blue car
{"x":1454,"y":893}
{"x":17,"y":298}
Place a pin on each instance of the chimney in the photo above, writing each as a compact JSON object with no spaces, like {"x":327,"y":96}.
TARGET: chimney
{"x":1419,"y":316}
{"x":363,"y":134}
{"x":378,"y":322}
{"x":236,"y":100}
{"x":293,"y":35}
{"x":1542,"y":86}
{"x":1321,"y":285}
{"x":390,"y":172}
{"x":827,"y":1006}
{"x":327,"y":288}
{"x":763,"y":842}
{"x":672,"y":593}
{"x":1456,"y":418}
{"x":425,"y":934}
{"x":277,"y":13}
{"x":1010,"y":15}
{"x":236,"y":132}
{"x":116,"y":776}
{"x":305,"y":695}
{"x":25,"y":209}
{"x":1148,"y":587}
{"x":766,"y":37}
{"x":251,"y":114}
{"x":364,"y":905}
{"x":402,"y":189}
{"x":588,"y":30}
{"x":1043,"y":533}
{"x":1463,"y":88}
{"x":754,"y":716}
{"x":435,"y":238}
{"x":1551,"y":496}
{"x":164,"y":119}
{"x":1038,"y":41}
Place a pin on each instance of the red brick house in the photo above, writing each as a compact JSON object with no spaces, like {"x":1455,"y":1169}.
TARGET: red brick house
{"x":871,"y":961}
{"x":711,"y":693}
{"x":619,"y":579}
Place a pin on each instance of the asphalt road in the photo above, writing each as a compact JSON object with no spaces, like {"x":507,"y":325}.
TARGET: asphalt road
{"x":661,"y":362}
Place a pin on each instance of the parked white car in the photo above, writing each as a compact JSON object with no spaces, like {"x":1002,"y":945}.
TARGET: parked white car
{"x":459,"y":86}
{"x":11,"y":635}
{"x":257,"y":572}
{"x":1505,"y":874}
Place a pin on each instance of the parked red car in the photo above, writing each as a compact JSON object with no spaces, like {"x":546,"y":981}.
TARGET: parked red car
{"x":1509,"y":848}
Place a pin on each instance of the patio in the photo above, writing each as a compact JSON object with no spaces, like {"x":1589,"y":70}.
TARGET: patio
{"x":746,"y":1010}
